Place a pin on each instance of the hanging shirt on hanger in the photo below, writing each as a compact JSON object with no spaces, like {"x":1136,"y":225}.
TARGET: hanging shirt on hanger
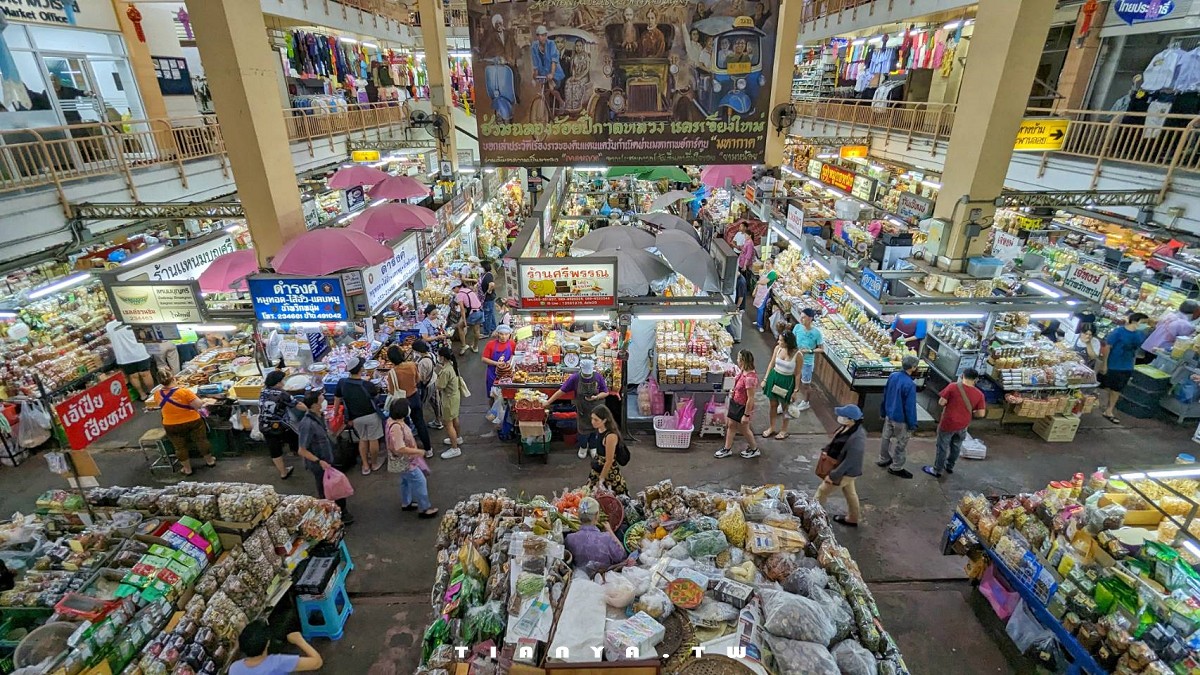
{"x":1160,"y":73}
{"x":1187,"y":77}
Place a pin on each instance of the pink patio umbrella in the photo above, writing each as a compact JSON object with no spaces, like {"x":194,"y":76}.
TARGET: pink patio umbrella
{"x":399,"y":187}
{"x":329,"y":250}
{"x":353,"y":176}
{"x":388,"y":221}
{"x":714,"y":176}
{"x":228,"y":272}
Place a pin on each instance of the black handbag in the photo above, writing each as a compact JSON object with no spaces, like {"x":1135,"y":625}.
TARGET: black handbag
{"x":345,"y":450}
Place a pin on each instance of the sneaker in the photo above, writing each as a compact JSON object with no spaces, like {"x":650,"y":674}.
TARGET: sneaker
{"x":804,"y":405}
{"x":750,"y":453}
{"x":366,"y":470}
{"x":462,"y":351}
{"x":582,"y":453}
{"x":883,"y":462}
{"x":901,"y":473}
{"x":932,"y":471}
{"x":436,"y":425}
{"x":488,"y":434}
{"x":447,"y":441}
{"x":779,"y":409}
{"x":723,"y":453}
{"x":429,"y":454}
{"x":451,"y":453}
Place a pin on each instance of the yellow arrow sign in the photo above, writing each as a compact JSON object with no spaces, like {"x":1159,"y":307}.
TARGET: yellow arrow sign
{"x":1041,"y":134}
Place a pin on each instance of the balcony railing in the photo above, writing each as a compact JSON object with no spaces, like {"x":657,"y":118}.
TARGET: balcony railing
{"x":1168,"y":142}
{"x":819,"y":13}
{"x":57,"y":156}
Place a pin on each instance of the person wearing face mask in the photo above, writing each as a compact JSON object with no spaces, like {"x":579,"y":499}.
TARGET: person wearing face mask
{"x":1117,"y":358}
{"x":316,"y":447}
{"x":847,"y":447}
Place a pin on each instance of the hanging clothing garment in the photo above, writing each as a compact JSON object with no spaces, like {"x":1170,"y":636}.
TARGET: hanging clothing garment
{"x":1162,"y":69}
{"x":1156,"y":117}
{"x":1187,"y":76}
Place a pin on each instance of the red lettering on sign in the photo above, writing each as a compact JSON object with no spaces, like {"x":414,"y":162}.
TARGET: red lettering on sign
{"x":88,"y":416}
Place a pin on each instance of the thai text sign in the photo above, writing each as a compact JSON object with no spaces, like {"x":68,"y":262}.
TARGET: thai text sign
{"x":1141,"y":11}
{"x":1084,"y":282}
{"x":1005,"y":245}
{"x":554,"y":285}
{"x":298,"y":299}
{"x":795,"y":220}
{"x":148,"y":303}
{"x":627,"y":83}
{"x":102,"y":407}
{"x":835,"y":177}
{"x":1041,"y":134}
{"x":911,"y":206}
{"x":872,"y":283}
{"x":382,"y":281}
{"x":184,"y":265}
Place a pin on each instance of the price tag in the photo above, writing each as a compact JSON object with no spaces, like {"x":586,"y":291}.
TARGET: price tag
{"x":672,"y":371}
{"x":290,"y":349}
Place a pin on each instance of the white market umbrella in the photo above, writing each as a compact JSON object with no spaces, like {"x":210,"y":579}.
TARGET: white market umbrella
{"x":689,"y":259}
{"x":638,"y":270}
{"x":613,"y":236}
{"x":663,"y":201}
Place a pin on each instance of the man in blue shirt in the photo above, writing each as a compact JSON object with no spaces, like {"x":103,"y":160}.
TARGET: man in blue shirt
{"x":809,"y":341}
{"x":1117,"y":357}
{"x":544,"y":54}
{"x":899,"y":411}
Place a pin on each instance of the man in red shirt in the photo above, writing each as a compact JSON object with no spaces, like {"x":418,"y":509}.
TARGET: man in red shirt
{"x":960,"y":401}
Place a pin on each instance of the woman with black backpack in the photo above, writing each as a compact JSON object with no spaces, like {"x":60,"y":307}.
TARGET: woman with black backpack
{"x":613,"y":454}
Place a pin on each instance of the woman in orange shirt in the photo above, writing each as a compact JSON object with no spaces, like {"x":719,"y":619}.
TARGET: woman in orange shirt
{"x":182,"y":421}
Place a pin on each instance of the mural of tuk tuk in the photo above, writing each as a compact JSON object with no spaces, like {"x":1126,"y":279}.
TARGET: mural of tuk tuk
{"x":575,"y":48}
{"x":730,"y":73}
{"x":640,"y":69}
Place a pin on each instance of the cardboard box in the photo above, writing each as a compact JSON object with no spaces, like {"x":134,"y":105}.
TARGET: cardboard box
{"x":1057,"y":429}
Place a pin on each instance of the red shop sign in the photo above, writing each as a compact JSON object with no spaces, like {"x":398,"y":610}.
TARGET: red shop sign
{"x":88,"y":416}
{"x":836,"y":177}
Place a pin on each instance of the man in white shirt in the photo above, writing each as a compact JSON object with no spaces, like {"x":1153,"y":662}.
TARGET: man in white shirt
{"x":131,"y":356}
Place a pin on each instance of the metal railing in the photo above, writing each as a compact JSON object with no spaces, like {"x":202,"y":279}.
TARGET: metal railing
{"x":1168,"y":142}
{"x":57,"y":156}
{"x":821,"y":12}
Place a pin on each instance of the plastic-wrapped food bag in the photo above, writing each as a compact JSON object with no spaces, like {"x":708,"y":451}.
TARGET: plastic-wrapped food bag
{"x":655,"y":603}
{"x":796,"y":657}
{"x":796,"y":618}
{"x":618,"y":591}
{"x":733,"y":524}
{"x":805,"y":580}
{"x":853,"y":659}
{"x":837,"y":609}
{"x":708,"y":543}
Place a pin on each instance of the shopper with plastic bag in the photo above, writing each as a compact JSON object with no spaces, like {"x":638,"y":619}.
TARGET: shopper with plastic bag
{"x":317,"y":448}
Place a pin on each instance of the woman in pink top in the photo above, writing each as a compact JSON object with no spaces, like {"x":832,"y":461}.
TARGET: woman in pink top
{"x":741,"y":409}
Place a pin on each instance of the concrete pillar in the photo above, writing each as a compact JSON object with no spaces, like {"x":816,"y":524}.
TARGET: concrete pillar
{"x":1081,"y":60}
{"x":241,"y":75}
{"x":1007,"y":45}
{"x":787,"y":32}
{"x":437,"y":67}
{"x":143,"y":68}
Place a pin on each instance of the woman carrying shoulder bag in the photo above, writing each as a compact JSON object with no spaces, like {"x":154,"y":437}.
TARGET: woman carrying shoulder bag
{"x":780,"y":384}
{"x":841,"y":462}
{"x":404,"y":457}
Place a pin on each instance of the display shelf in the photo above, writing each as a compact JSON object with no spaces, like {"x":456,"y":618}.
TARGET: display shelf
{"x":1082,"y":661}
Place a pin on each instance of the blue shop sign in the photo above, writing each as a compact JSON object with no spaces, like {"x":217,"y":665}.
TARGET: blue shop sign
{"x":1141,"y":11}
{"x":285,"y":299}
{"x":872,"y":283}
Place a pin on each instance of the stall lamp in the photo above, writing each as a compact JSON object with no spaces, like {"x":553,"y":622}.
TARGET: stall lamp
{"x":823,"y":266}
{"x":60,"y":285}
{"x":1192,"y":548}
{"x":1044,"y":289}
{"x":466,"y":169}
{"x":237,"y":226}
{"x":828,"y":155}
{"x":1137,"y":475}
{"x":1174,"y":473}
{"x":931,"y":184}
{"x":875,"y":167}
{"x":144,"y":255}
{"x":897,"y":221}
{"x":371,"y":45}
{"x":8,"y":315}
{"x":859,"y":41}
{"x":878,"y":39}
{"x":714,"y":316}
{"x":209,"y":328}
{"x":596,"y":316}
{"x":346,"y":39}
{"x":945,"y":316}
{"x":1050,"y":315}
{"x":489,"y":170}
{"x":952,"y":25}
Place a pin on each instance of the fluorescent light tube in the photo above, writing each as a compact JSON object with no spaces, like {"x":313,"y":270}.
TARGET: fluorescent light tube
{"x":862,"y":300}
{"x":952,"y":25}
{"x":712,"y":316}
{"x":931,"y":184}
{"x":144,"y":255}
{"x":210,"y":328}
{"x":1053,"y":315}
{"x":945,"y":316}
{"x":60,"y":285}
{"x":1044,"y":289}
{"x":350,"y":40}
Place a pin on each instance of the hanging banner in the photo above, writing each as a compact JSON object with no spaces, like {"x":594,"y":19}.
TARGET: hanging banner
{"x":1085,"y":282}
{"x":312,"y":213}
{"x":912,"y":206}
{"x":382,"y":282}
{"x":102,"y":407}
{"x":1006,"y":245}
{"x":838,"y":178}
{"x":587,"y":81}
{"x":297,"y":298}
{"x":554,"y":285}
{"x":139,"y":302}
{"x":1141,"y":11}
{"x":184,"y":264}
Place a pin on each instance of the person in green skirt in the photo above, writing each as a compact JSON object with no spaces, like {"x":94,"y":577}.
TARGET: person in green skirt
{"x":780,"y":383}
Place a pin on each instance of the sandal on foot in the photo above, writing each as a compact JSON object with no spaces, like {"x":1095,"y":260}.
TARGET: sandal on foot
{"x":287,"y":474}
{"x":1111,"y":418}
{"x":841,"y":520}
{"x":768,"y":433}
{"x":211,"y":463}
{"x":432,"y":513}
{"x":781,"y":435}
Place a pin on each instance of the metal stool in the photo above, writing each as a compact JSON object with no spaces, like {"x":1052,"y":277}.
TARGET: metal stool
{"x":154,"y":448}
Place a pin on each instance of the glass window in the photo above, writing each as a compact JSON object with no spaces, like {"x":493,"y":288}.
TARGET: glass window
{"x":116,"y":86}
{"x":25,"y":96}
{"x":14,"y":36}
{"x":74,"y":40}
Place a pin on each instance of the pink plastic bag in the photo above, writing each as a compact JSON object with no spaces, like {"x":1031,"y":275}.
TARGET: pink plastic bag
{"x":337,"y":486}
{"x":1003,"y":601}
{"x":419,"y":462}
{"x":658,"y":404}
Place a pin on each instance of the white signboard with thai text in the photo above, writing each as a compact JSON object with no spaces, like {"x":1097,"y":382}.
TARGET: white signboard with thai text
{"x":1084,"y":282}
{"x":183,"y":265}
{"x":381,"y":282}
{"x":1006,"y":245}
{"x":147,"y":303}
